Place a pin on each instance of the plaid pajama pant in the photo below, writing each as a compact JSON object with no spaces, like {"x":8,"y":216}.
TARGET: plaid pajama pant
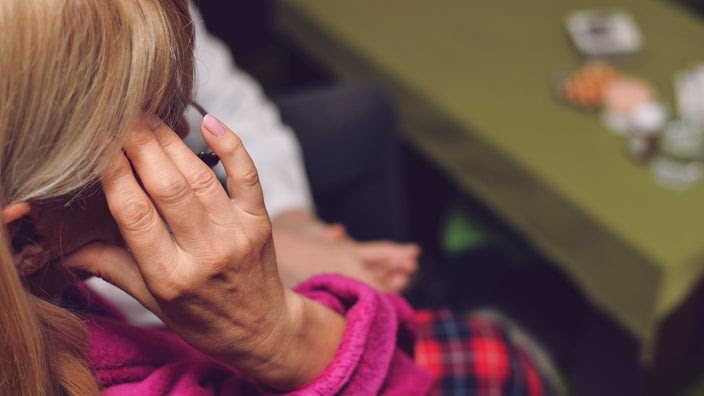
{"x":474,"y":357}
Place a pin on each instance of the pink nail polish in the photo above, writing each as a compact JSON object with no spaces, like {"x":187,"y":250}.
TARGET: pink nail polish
{"x":213,"y":125}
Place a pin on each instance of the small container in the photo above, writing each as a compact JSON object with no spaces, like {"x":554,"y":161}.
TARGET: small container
{"x":682,"y":141}
{"x":679,"y":163}
{"x":675,"y":174}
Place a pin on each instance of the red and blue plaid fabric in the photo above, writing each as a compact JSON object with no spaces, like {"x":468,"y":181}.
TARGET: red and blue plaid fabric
{"x":474,"y":357}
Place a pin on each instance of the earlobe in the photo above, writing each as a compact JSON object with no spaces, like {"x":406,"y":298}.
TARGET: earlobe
{"x":15,"y":211}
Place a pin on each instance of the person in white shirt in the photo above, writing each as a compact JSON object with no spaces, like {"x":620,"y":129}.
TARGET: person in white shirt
{"x":335,"y":134}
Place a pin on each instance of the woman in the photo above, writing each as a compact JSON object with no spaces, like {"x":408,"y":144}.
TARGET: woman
{"x":88,"y":92}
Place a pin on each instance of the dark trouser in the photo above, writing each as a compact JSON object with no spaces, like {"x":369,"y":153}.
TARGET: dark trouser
{"x":349,"y":139}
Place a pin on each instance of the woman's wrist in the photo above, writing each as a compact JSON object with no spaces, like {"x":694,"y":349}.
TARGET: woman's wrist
{"x":302,"y":345}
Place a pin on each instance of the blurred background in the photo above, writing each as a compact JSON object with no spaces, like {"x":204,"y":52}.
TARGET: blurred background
{"x":552,"y":157}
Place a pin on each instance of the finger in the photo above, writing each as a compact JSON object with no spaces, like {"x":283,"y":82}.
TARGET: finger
{"x":117,"y":266}
{"x":410,"y":265}
{"x":242,"y":177}
{"x":397,"y":283}
{"x":412,"y":249}
{"x":166,"y":185}
{"x":409,"y":254}
{"x":201,"y":178}
{"x":379,"y":251}
{"x":334,"y":232}
{"x":390,"y":255}
{"x":138,"y":221}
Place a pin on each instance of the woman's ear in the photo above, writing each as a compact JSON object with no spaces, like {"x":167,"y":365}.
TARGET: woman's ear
{"x":20,"y":225}
{"x":15,"y":211}
{"x":27,"y":246}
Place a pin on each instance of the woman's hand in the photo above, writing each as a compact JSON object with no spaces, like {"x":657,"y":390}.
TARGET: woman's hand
{"x":204,"y":261}
{"x":305,"y":246}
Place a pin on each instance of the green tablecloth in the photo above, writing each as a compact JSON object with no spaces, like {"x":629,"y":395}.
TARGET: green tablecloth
{"x":473,"y":84}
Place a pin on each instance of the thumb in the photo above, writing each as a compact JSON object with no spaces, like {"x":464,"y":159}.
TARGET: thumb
{"x":117,"y":266}
{"x":408,"y":257}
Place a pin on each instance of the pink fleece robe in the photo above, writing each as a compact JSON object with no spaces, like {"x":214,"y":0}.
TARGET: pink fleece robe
{"x":374,"y":357}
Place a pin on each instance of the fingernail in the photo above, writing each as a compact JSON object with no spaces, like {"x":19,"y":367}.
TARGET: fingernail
{"x":152,"y":121}
{"x":215,"y":127}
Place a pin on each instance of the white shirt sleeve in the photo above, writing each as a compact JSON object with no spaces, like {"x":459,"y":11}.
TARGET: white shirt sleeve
{"x":237,"y":100}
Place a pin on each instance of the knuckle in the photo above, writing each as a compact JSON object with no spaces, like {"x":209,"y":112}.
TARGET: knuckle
{"x":169,"y":139}
{"x":172,"y":191}
{"x":264,"y":232}
{"x":250,"y":178}
{"x":134,"y":215}
{"x":203,"y":180}
{"x":219,"y":257}
{"x":219,"y":263}
{"x":171,"y":290}
{"x":174,"y":284}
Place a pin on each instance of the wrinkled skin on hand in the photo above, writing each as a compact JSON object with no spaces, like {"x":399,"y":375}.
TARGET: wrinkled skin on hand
{"x":203,"y":259}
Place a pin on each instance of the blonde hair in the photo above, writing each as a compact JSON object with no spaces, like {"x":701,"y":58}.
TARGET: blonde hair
{"x":75,"y":76}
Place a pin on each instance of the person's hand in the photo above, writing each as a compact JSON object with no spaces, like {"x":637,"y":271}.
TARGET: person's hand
{"x":303,"y":223}
{"x":388,"y":265}
{"x":203,"y":261}
{"x":305,"y":246}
